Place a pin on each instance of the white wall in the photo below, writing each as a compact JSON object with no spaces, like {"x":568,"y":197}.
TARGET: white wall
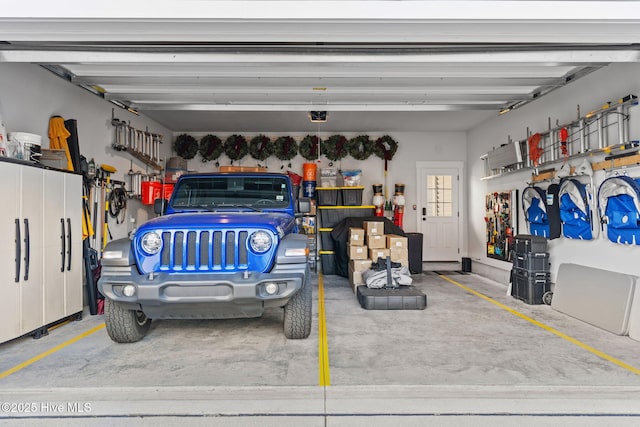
{"x":412,"y":148}
{"x":30,"y":95}
{"x":590,"y":93}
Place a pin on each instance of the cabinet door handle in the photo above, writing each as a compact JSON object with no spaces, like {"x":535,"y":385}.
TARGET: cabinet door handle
{"x":62,"y":253}
{"x":27,"y":249}
{"x":18,"y":250}
{"x":424,"y":211}
{"x":68,"y":244}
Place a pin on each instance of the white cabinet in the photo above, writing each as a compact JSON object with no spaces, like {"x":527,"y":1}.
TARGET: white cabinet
{"x":62,"y":245}
{"x":31,"y":295}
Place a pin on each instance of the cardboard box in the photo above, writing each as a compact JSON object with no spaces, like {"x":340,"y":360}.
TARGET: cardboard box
{"x":395,"y":241}
{"x":374,"y":254}
{"x":400,"y":255}
{"x":373,"y":227}
{"x":376,"y":241}
{"x":357,"y":252}
{"x":356,"y":236}
{"x":355,"y":279}
{"x":360,"y":264}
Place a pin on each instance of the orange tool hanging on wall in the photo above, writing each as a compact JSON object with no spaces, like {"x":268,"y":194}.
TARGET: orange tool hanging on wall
{"x":535,"y":152}
{"x":563,"y":134}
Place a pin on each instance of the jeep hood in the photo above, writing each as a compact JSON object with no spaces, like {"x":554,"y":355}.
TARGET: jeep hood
{"x":223,"y":220}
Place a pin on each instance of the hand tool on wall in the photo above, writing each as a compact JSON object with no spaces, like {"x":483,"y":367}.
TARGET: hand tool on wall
{"x":106,"y":170}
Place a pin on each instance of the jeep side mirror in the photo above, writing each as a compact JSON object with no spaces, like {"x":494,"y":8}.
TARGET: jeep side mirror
{"x":160,"y":206}
{"x":304,"y":205}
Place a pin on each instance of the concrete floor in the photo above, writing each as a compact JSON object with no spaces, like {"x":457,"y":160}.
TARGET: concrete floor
{"x":463,"y":361}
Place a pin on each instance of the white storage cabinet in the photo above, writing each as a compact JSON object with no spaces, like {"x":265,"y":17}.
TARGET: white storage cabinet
{"x":41,"y":237}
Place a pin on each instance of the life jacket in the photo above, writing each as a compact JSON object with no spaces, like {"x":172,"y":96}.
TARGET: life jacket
{"x":619,"y":207}
{"x":535,"y":211}
{"x":542,"y":211}
{"x":575,"y":212}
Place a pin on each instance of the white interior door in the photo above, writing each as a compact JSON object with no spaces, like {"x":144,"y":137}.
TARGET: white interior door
{"x":439,"y":218}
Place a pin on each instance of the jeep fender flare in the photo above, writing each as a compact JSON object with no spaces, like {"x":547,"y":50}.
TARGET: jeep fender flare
{"x":118,"y":253}
{"x":290,"y":243}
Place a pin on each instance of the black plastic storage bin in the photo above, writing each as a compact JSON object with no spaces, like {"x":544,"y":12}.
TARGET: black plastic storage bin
{"x":526,"y":243}
{"x":332,"y":215}
{"x":352,"y":196}
{"x":326,"y":241}
{"x":327,"y":196}
{"x":529,"y":289}
{"x":328,"y":262}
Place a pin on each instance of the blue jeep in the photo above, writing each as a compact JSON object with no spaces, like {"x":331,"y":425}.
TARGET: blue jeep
{"x":226,"y":246}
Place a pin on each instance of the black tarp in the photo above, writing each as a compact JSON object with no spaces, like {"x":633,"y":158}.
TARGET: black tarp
{"x":340,"y":236}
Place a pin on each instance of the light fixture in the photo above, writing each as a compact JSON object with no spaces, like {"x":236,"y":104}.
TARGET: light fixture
{"x":318,"y":116}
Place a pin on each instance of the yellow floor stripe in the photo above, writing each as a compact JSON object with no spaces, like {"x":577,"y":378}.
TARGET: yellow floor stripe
{"x":547,"y":328}
{"x":323,"y":346}
{"x":49,"y":352}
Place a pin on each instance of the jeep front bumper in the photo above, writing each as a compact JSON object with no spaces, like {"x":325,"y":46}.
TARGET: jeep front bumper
{"x":206,"y":296}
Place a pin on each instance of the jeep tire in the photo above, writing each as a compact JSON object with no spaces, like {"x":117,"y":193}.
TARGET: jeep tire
{"x":124,"y":326}
{"x":297,"y":312}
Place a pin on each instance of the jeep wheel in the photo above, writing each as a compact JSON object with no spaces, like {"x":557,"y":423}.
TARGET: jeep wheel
{"x":297,"y":312}
{"x":124,"y":325}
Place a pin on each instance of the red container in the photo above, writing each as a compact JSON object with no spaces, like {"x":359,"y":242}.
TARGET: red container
{"x":151,"y":191}
{"x":167,"y":189}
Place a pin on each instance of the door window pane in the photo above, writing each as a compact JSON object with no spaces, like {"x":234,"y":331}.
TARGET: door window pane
{"x":439,"y":193}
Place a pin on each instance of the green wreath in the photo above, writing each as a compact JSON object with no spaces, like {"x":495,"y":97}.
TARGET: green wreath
{"x":211,"y":147}
{"x":360,"y":147}
{"x":261,"y":147}
{"x":381,"y":150}
{"x":335,"y":147}
{"x":236,"y":147}
{"x":185,"y":146}
{"x":286,"y":148}
{"x":309,"y":147}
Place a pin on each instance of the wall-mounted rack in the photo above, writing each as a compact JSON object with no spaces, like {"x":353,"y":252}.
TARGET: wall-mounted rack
{"x":589,"y":135}
{"x":141,"y":144}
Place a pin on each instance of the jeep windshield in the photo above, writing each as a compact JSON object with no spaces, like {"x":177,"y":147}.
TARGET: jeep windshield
{"x":223,"y":192}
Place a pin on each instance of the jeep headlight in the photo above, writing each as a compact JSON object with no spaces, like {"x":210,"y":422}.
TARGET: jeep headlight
{"x":151,"y":242}
{"x":260,"y":241}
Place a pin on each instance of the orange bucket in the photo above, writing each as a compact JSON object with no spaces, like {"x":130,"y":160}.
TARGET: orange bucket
{"x":309,"y":171}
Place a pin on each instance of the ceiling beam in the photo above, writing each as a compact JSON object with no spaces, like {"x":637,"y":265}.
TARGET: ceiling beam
{"x":539,"y":58}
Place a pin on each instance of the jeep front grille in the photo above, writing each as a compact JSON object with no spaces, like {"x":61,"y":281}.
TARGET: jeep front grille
{"x":204,"y":251}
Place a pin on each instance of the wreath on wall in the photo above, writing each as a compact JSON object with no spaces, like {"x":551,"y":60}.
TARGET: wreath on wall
{"x":286,"y":148}
{"x":360,"y":147}
{"x":261,"y":147}
{"x":185,"y":146}
{"x":385,"y":147}
{"x":335,"y":147}
{"x":309,"y":147}
{"x":211,"y":147}
{"x":236,"y":147}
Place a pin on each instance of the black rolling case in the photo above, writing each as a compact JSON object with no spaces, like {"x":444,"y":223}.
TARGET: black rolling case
{"x":391,"y":297}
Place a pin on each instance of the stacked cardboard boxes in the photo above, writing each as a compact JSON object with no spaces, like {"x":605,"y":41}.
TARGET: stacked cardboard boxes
{"x":369,"y":243}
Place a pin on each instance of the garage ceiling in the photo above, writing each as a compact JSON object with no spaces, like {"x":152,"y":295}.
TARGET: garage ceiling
{"x":382,"y":66}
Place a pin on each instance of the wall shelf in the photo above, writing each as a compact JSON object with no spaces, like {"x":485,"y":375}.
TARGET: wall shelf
{"x":587,"y":136}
